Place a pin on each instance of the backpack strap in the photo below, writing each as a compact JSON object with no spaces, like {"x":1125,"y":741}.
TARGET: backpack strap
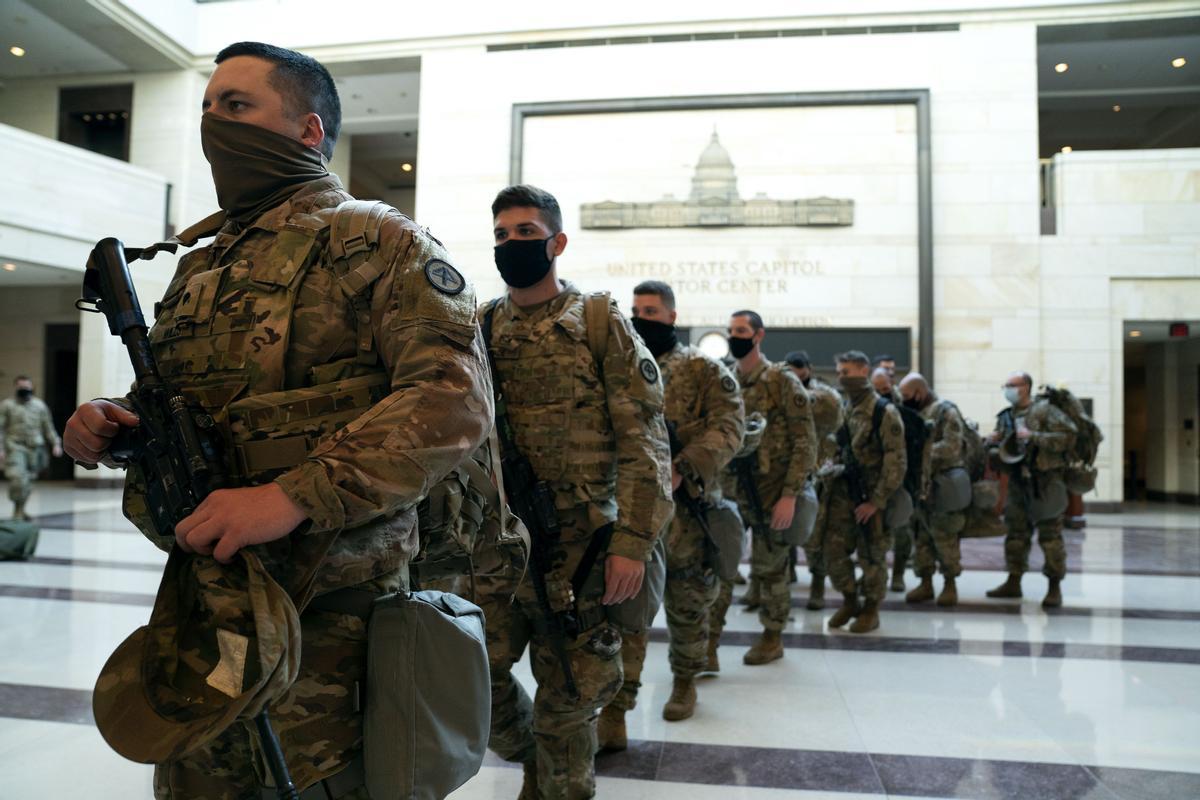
{"x":877,"y":413}
{"x":354,"y":252}
{"x":595,"y":320}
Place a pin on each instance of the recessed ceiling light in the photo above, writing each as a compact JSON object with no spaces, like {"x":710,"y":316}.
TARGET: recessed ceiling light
{"x":1178,"y":62}
{"x":87,"y":117}
{"x":1116,"y":108}
{"x":406,"y":167}
{"x":10,"y":267}
{"x":1135,"y":334}
{"x":19,"y":51}
{"x":1061,"y":67}
{"x":1067,"y":148}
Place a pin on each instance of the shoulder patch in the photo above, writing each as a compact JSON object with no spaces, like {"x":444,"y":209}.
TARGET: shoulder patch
{"x":801,"y":400}
{"x":443,"y":277}
{"x":649,"y":370}
{"x":728,"y":385}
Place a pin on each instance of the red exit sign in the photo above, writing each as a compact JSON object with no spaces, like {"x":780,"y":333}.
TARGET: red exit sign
{"x":1179,"y":330}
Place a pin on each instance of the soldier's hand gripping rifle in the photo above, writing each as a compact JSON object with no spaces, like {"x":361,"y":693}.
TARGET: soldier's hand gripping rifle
{"x":175,"y":446}
{"x":852,"y":472}
{"x":697,"y":507}
{"x":743,"y":468}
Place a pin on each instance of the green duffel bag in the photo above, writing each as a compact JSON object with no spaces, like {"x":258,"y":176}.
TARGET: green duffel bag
{"x":805,"y":517}
{"x":729,"y":535}
{"x":637,"y":614}
{"x":18,"y":539}
{"x":429,"y":703}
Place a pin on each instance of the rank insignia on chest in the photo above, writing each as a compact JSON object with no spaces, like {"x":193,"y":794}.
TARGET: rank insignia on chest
{"x":648,"y":370}
{"x":443,"y":277}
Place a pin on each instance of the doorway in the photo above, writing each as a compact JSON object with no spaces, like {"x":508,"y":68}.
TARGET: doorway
{"x":60,"y":385}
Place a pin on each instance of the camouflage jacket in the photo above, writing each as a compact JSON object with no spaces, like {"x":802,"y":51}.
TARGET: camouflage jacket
{"x":704,"y":404}
{"x":944,"y":447}
{"x":788,"y":452}
{"x":881,"y":456}
{"x":827,"y":417}
{"x":1053,"y":432}
{"x":259,"y":314}
{"x":26,"y":424}
{"x":595,"y":432}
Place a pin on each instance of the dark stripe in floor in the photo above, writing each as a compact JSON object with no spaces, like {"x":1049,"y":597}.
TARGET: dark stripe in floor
{"x":77,"y":595}
{"x":47,"y":703}
{"x":1017,"y":609}
{"x":55,"y":561}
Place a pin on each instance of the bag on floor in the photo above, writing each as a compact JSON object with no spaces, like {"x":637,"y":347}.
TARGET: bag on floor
{"x":18,"y":539}
{"x":429,"y":703}
{"x":983,"y":523}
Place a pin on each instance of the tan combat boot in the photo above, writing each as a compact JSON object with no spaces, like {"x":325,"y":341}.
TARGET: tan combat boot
{"x":1053,"y":597}
{"x":816,"y":594}
{"x":529,"y":786}
{"x":868,"y":618}
{"x":768,"y":648}
{"x":714,"y":663}
{"x":949,"y":595}
{"x":1010,"y":588}
{"x":847,"y":612}
{"x":682,"y":703}
{"x":923,"y":593}
{"x":610,"y":729}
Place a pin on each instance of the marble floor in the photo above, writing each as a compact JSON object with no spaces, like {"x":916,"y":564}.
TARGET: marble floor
{"x":994,"y":699}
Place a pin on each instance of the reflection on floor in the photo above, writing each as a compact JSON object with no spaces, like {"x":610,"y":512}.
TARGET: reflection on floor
{"x":995,"y":699}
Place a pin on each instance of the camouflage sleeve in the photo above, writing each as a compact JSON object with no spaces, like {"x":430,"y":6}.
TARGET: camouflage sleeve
{"x":1055,"y":432}
{"x":796,"y":405}
{"x":440,"y":408}
{"x":895,"y":460}
{"x":948,"y":446}
{"x":47,"y":422}
{"x":723,"y":421}
{"x":635,"y":406}
{"x":3,"y":422}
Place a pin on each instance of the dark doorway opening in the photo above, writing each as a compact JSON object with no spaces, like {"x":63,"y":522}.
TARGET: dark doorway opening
{"x":96,"y":118}
{"x":60,"y":385}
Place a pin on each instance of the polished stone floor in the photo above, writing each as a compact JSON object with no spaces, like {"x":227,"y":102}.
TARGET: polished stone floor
{"x":995,"y":699}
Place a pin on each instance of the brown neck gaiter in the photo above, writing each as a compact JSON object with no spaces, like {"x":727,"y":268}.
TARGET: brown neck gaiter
{"x":255,"y":169}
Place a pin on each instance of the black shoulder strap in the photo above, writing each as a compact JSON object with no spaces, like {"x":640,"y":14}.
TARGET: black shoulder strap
{"x":880,"y":409}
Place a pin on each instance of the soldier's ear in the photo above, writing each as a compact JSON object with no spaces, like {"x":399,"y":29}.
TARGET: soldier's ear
{"x":558,"y":245}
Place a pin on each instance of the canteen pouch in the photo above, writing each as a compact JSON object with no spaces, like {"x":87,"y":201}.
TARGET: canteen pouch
{"x":728,"y":533}
{"x":805,"y":517}
{"x":428,"y":708}
{"x":18,"y":539}
{"x":1080,"y":479}
{"x":1050,"y":502}
{"x":951,"y":491}
{"x":899,"y":510}
{"x":637,"y":614}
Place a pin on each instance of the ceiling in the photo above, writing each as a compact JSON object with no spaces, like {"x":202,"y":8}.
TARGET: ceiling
{"x":1125,"y":64}
{"x":27,"y":274}
{"x":380,"y":105}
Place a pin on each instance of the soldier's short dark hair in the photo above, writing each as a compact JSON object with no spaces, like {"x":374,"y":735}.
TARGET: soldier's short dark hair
{"x":756,"y":322}
{"x":879,"y":359}
{"x":798,"y":359}
{"x":527,"y":196}
{"x":1025,"y":376}
{"x":853,"y":357}
{"x":303,"y":82}
{"x":20,"y":378}
{"x":660,"y":289}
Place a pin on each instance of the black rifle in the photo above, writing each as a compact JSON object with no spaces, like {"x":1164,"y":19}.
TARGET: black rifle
{"x":696,"y":506}
{"x":532,"y":500}
{"x":176,"y":445}
{"x":852,"y":472}
{"x":743,"y":468}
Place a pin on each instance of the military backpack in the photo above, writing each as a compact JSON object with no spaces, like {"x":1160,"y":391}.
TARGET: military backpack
{"x":1080,"y":475}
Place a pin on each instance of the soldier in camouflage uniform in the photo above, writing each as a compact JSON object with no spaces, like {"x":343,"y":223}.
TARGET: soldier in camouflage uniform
{"x":585,"y":402}
{"x":783,"y":464}
{"x":850,"y":524}
{"x":1046,"y":434}
{"x":373,"y":323}
{"x":704,"y":408}
{"x":26,"y":430}
{"x":901,"y":535}
{"x":936,"y":532}
{"x":827,"y":418}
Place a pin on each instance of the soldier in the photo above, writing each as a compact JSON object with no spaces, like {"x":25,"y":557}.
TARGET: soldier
{"x":585,"y":402}
{"x":871,"y":443}
{"x":827,"y":418}
{"x":936,"y":532}
{"x":704,"y":411}
{"x":26,"y":429}
{"x":782,"y":465}
{"x":1043,"y":435}
{"x":902,"y":535}
{"x":269,"y":312}
{"x":885,"y":362}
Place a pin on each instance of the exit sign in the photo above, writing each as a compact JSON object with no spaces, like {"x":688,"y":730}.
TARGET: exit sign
{"x":1179,"y":330}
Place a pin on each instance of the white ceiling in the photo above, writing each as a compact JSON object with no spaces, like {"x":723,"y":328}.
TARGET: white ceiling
{"x":27,"y":274}
{"x":50,"y":47}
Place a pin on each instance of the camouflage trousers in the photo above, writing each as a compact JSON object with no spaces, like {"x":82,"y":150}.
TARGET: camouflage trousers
{"x":769,"y":562}
{"x":902,"y":543}
{"x":690,"y":594}
{"x":554,"y":729}
{"x":21,"y":467}
{"x":316,"y":721}
{"x":844,"y":538}
{"x":1019,"y":540}
{"x":937,"y":539}
{"x":720,"y":608}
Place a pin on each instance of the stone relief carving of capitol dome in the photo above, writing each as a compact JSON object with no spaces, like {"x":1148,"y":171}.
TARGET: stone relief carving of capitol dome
{"x":714,"y":202}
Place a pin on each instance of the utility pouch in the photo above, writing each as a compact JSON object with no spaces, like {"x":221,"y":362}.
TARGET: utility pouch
{"x":728,"y":531}
{"x":951,"y":491}
{"x":899,"y":510}
{"x":805,"y":517}
{"x":428,"y":711}
{"x":637,"y":614}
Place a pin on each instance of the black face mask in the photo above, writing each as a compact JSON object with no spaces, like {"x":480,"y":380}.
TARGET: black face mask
{"x":24,"y":394}
{"x":914,"y":404}
{"x":659,"y":336}
{"x":523,"y":262}
{"x":739,"y":347}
